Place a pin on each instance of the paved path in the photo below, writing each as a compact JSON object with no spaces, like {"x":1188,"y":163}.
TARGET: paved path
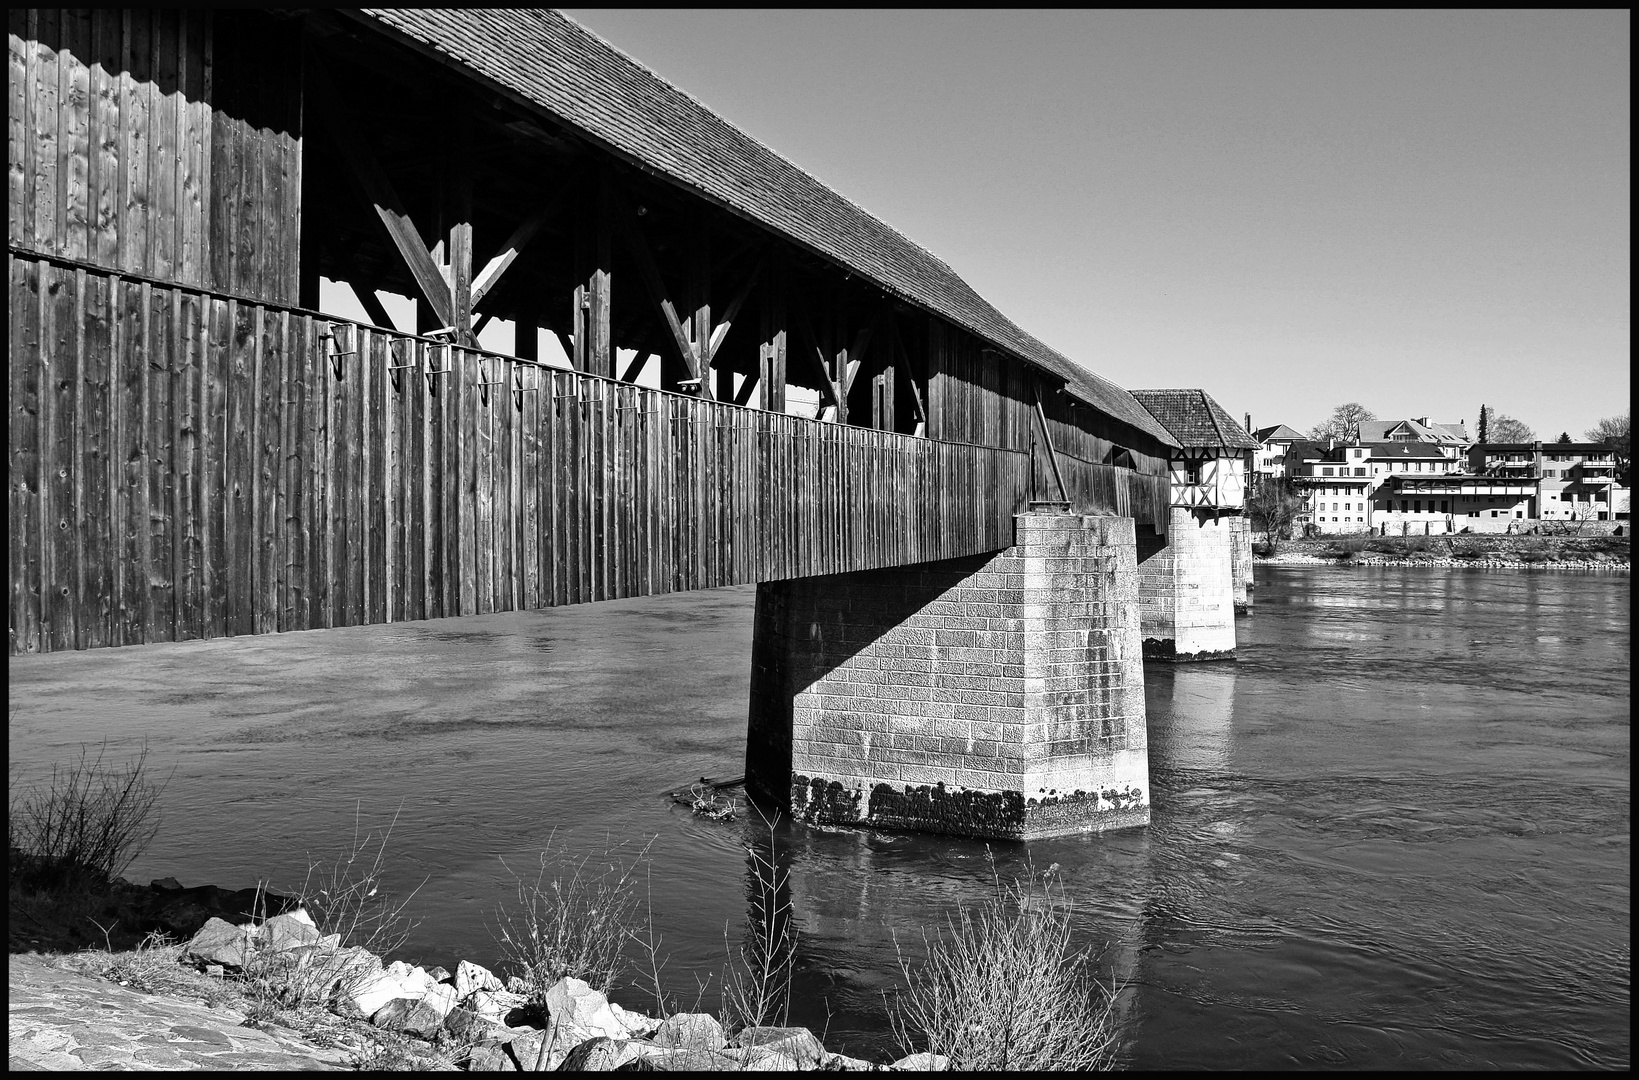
{"x":64,"y":1020}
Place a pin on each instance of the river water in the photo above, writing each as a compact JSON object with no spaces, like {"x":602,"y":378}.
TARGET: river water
{"x":1393,"y":833}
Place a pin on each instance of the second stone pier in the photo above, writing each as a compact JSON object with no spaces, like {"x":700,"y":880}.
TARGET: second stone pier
{"x":995,"y":696}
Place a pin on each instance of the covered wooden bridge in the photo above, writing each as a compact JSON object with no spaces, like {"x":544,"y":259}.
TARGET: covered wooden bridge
{"x":196,"y":451}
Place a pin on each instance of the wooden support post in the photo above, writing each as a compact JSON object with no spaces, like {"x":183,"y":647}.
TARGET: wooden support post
{"x":882,"y":400}
{"x":771,"y":353}
{"x":625,"y":220}
{"x":1047,"y":441}
{"x":701,"y":304}
{"x":600,"y":352}
{"x":373,"y":309}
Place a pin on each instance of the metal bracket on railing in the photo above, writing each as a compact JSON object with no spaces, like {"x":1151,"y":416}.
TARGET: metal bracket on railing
{"x":335,"y":355}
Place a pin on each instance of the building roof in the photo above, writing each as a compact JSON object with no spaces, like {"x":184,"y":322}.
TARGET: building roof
{"x":1194,"y":419}
{"x":1277,"y":433}
{"x":1378,"y":431}
{"x":1545,"y":447}
{"x":562,"y":68}
{"x":1391,"y":451}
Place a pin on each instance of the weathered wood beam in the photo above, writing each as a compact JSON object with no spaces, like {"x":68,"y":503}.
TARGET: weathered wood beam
{"x":625,"y":221}
{"x":635,"y":368}
{"x":809,"y":349}
{"x":1047,"y":441}
{"x":902,"y":357}
{"x":349,"y":139}
{"x":373,"y":308}
{"x":700,"y":317}
{"x":720,"y":331}
{"x":521,"y":236}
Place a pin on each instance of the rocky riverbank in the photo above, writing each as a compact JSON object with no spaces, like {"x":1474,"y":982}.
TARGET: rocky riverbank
{"x":256,"y":990}
{"x":1486,"y":552}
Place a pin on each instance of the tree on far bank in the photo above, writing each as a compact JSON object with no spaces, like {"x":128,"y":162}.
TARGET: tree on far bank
{"x":1614,"y":432}
{"x":1505,"y":429}
{"x":1344,"y":422}
{"x":1481,"y":424}
{"x":1564,"y":437}
{"x":1272,"y":505}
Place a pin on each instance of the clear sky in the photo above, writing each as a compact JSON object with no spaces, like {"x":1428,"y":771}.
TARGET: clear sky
{"x":1419,"y":211}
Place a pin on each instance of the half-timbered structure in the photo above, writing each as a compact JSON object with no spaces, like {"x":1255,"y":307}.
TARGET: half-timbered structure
{"x":196,"y":450}
{"x":1199,"y":574}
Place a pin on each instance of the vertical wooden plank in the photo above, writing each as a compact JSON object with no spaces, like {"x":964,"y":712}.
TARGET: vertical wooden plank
{"x":130,"y":516}
{"x":193,"y":122}
{"x":484,"y":422}
{"x":270,"y":535}
{"x":292,"y":485}
{"x":135,"y":91}
{"x":448,"y":476}
{"x":104,"y":136}
{"x":45,"y":81}
{"x":23,"y":431}
{"x":74,"y":134}
{"x":163,"y":147}
{"x":420,"y":483}
{"x":321,"y":394}
{"x":373,"y":432}
{"x":529,"y":505}
{"x":353,"y":386}
{"x":95,"y":527}
{"x":56,"y":466}
{"x":506,"y":500}
{"x":242,"y":535}
{"x":159,"y":586}
{"x":393,"y":402}
{"x":19,"y":143}
{"x":465,"y":376}
{"x":552,"y":538}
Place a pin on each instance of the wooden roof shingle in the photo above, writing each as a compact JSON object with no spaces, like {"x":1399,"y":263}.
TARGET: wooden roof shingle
{"x":559,"y":66}
{"x":1194,"y":419}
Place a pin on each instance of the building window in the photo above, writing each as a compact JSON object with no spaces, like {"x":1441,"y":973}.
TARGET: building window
{"x":1565,"y":496}
{"x":1360,"y":472}
{"x":1445,"y":505}
{"x":1493,"y":513}
{"x":1417,"y":507}
{"x":1405,"y":506}
{"x":1519,"y":513}
{"x":1327,"y":471}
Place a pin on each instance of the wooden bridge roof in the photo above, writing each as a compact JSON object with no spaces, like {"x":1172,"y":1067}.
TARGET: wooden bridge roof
{"x":559,"y":66}
{"x":1194,"y":419}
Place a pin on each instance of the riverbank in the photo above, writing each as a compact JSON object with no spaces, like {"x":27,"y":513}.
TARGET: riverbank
{"x":1610,"y":553}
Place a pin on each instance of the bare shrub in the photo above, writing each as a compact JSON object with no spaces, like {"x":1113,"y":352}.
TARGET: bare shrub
{"x":574,"y":918}
{"x":348,"y":896}
{"x":757,"y":984}
{"x":86,"y":826}
{"x":1004,"y":988}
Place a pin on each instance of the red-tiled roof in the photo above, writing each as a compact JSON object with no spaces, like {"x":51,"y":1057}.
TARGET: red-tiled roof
{"x":564,"y":69}
{"x":1194,"y":419}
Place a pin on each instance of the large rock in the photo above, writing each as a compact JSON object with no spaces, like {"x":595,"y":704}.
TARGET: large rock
{"x":923,"y":1062}
{"x":219,"y":943}
{"x":363,"y":997}
{"x":334,"y":972}
{"x":664,"y":1059}
{"x":412,"y":1016}
{"x":289,"y":931}
{"x":440,"y":997}
{"x":796,"y":1043}
{"x":600,"y":1055}
{"x":690,"y":1031}
{"x":470,"y":978}
{"x":635,"y":1024}
{"x":489,"y":1057}
{"x":495,"y":1004}
{"x":844,"y":1063}
{"x":465,"y":1024}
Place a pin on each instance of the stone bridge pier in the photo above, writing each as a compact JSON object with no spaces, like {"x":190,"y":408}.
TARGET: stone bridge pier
{"x":1186,"y":586}
{"x":997,"y":696}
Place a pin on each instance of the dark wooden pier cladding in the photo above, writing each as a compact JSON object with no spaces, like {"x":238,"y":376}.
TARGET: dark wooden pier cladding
{"x":196,"y":451}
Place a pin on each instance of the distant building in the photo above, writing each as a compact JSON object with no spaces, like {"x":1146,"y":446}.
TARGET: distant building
{"x":1577,"y":481}
{"x":1269,"y":458}
{"x":1453,"y":439}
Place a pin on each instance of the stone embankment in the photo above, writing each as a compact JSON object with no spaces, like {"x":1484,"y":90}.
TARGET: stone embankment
{"x":1487,"y":552}
{"x":60,"y":1020}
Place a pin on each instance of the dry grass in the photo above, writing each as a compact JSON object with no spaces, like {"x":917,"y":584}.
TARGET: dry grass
{"x":757,"y":984}
{"x":1004,"y":988}
{"x":574,"y":919}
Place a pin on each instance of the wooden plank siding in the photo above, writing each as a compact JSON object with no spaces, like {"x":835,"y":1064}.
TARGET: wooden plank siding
{"x":131,"y":147}
{"x":187,"y":465}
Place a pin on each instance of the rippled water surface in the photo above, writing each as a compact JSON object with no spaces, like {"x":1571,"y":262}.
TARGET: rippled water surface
{"x":1393,"y":833}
